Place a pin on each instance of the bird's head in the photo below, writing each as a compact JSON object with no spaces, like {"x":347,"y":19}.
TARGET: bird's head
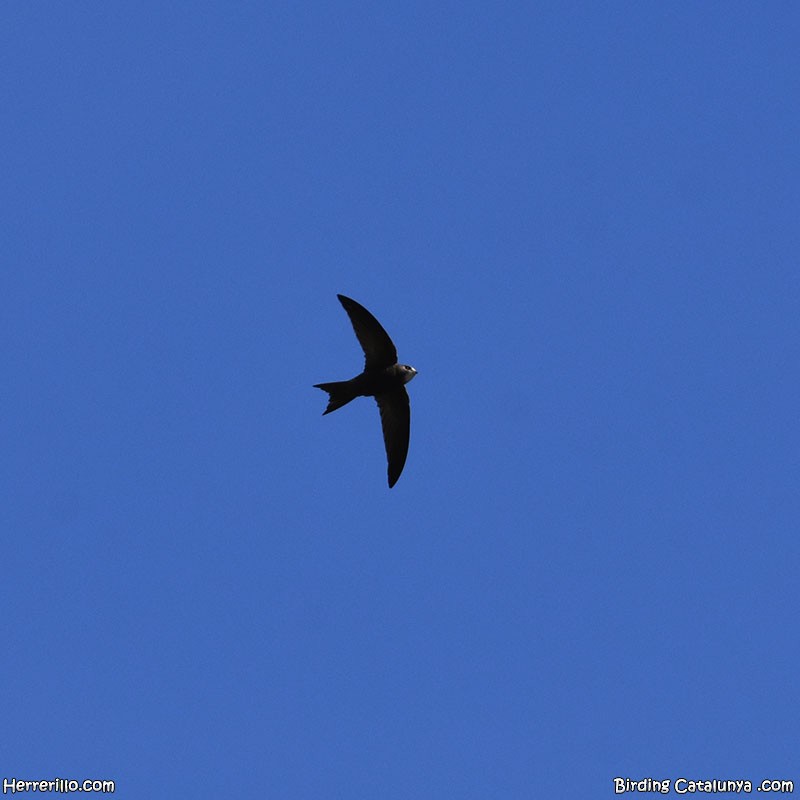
{"x":407,"y":372}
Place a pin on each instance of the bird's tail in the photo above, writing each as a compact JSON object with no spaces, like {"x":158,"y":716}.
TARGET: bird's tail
{"x":341,"y":393}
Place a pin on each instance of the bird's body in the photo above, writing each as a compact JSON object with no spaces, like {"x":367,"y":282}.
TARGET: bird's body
{"x":384,"y":379}
{"x":368,"y":384}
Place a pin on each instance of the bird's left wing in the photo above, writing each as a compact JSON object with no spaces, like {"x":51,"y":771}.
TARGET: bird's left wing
{"x":396,"y":422}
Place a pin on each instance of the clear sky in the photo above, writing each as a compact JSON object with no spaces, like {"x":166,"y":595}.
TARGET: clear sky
{"x":580,"y":222}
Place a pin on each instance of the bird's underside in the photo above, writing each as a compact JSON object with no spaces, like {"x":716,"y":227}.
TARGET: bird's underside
{"x":384,"y":379}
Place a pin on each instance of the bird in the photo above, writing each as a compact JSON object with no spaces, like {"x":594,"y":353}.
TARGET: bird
{"x":384,"y":379}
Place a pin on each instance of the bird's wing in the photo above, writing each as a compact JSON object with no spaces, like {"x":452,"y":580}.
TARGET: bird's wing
{"x":378,"y":348}
{"x":396,"y":423}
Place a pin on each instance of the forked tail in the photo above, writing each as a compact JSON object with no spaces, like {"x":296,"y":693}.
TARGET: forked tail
{"x":341,"y":393}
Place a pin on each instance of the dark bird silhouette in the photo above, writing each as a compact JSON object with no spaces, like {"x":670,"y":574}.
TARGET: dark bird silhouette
{"x":384,"y":379}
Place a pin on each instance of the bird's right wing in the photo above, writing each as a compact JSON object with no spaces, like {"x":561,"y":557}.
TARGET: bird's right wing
{"x":378,"y":348}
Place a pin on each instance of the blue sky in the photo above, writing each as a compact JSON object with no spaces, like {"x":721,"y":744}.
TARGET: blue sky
{"x":578,"y":222}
